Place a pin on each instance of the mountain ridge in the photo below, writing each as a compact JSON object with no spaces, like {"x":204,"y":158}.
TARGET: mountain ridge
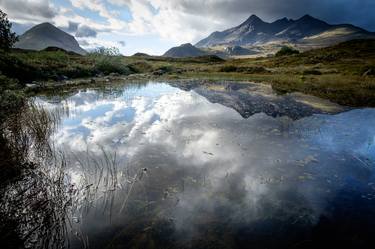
{"x":254,"y":31}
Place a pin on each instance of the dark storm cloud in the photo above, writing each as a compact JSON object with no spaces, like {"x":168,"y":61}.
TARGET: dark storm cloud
{"x":85,"y":31}
{"x":357,"y":12}
{"x":72,"y":26}
{"x":21,"y":10}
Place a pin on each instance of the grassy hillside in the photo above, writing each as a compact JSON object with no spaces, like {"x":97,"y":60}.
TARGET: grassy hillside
{"x":344,"y":73}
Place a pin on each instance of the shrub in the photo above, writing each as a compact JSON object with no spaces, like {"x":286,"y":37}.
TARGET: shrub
{"x":312,"y":72}
{"x":252,"y":70}
{"x":110,"y":64}
{"x":109,"y":60}
{"x":228,"y":68}
{"x":7,"y":37}
{"x":287,"y":51}
{"x":249,"y":70}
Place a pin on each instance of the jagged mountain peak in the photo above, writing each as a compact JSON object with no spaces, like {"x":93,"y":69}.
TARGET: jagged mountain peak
{"x":282,"y":20}
{"x":254,"y":31}
{"x":307,"y":17}
{"x":253,"y":19}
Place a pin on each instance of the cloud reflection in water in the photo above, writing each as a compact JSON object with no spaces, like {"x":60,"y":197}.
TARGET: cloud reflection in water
{"x":213,"y":175}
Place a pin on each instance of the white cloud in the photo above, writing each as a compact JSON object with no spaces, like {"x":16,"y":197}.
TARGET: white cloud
{"x":175,"y":21}
{"x":169,"y":20}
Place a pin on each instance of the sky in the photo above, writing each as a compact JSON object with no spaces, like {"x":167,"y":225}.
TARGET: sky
{"x":154,"y":26}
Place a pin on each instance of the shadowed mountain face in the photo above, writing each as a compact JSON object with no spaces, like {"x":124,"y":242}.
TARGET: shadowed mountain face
{"x":237,"y":50}
{"x":46,"y":35}
{"x":255,"y":31}
{"x":185,"y":50}
{"x":251,"y":98}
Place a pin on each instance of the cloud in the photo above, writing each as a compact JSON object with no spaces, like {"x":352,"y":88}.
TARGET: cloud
{"x":254,"y":171}
{"x":72,"y":26}
{"x":28,"y":10}
{"x":191,"y":20}
{"x":113,"y":22}
{"x":122,"y":43}
{"x":84,"y":43}
{"x":85,"y":31}
{"x":176,"y":21}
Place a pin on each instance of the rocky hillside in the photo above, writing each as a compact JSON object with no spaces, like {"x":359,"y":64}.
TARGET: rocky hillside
{"x":46,"y":35}
{"x":305,"y":30}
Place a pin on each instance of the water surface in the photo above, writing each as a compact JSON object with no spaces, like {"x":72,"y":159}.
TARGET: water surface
{"x":218,"y":166}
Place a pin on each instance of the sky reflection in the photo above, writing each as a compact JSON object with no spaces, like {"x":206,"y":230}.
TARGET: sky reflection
{"x":208,"y":174}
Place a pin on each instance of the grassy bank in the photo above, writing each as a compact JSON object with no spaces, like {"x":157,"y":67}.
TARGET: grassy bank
{"x":344,"y":73}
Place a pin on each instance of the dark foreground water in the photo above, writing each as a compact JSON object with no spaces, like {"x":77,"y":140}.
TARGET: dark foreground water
{"x":220,"y":166}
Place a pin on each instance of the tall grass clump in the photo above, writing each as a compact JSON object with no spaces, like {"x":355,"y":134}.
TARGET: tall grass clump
{"x":33,"y":198}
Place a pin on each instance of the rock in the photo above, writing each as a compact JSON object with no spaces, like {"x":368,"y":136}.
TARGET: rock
{"x":369,"y":72}
{"x":92,"y":81}
{"x":159,"y":72}
{"x":32,"y":86}
{"x":114,"y":75}
{"x":61,"y":78}
{"x":37,"y":83}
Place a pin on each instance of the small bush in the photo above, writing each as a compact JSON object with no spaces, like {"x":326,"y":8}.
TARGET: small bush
{"x":111,"y":64}
{"x":312,"y":72}
{"x":166,"y":69}
{"x":228,"y":68}
{"x":249,"y":70}
{"x":286,"y":51}
{"x":252,"y":70}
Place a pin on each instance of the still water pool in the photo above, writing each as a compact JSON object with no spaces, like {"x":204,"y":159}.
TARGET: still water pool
{"x":223,"y":165}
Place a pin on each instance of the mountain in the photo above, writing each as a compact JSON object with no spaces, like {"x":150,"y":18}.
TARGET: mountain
{"x":237,"y":51}
{"x":185,"y":50}
{"x":307,"y":29}
{"x":46,"y":35}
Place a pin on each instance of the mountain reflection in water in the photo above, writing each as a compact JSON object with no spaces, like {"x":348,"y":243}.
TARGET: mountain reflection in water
{"x":182,"y":172}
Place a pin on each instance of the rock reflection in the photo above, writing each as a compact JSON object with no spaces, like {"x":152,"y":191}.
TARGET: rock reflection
{"x":166,"y":168}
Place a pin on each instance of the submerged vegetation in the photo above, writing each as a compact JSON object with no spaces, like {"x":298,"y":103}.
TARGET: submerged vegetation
{"x":30,"y":196}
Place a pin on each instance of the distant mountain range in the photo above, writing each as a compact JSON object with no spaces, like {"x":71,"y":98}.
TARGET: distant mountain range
{"x":47,"y":35}
{"x":307,"y":29}
{"x":256,"y":37}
